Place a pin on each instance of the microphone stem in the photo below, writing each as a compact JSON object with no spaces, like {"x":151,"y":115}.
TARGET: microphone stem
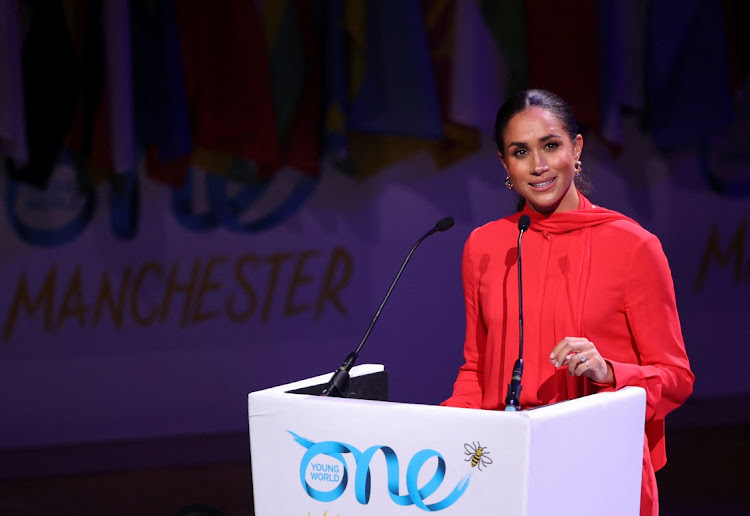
{"x":388,"y":294}
{"x":520,"y":300}
{"x":339,"y":382}
{"x":512,"y":402}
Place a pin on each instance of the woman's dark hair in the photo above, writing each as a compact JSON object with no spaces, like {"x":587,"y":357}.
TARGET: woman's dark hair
{"x":549,"y":102}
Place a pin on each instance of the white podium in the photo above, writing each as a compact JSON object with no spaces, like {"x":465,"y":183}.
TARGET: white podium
{"x":321,"y":456}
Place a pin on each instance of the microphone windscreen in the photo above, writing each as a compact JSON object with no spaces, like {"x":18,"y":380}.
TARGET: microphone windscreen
{"x":523,"y":222}
{"x":445,"y":223}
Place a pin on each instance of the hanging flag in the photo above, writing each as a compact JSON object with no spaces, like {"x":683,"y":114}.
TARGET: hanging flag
{"x":89,"y":139}
{"x":562,"y":52}
{"x":397,"y":95}
{"x":739,"y":21}
{"x":229,"y":83}
{"x":622,"y":64}
{"x":446,"y":35}
{"x":47,"y":58}
{"x":12,"y":122}
{"x":335,"y":82}
{"x":116,"y":20}
{"x":506,"y":21}
{"x":395,"y":109}
{"x":162,"y":125}
{"x":689,"y":91}
{"x":477,"y":80}
{"x":611,"y":68}
{"x":302,"y":147}
{"x":286,"y":58}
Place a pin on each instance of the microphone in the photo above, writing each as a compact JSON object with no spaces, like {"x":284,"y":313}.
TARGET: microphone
{"x":514,"y":387}
{"x":338,"y":385}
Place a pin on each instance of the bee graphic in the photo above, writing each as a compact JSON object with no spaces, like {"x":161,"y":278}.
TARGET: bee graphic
{"x":478,"y":455}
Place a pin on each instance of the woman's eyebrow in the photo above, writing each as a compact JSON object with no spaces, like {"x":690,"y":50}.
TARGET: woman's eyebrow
{"x":542,"y":139}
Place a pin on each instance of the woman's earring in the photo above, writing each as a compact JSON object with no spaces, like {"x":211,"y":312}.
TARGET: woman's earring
{"x":579,"y":167}
{"x":508,"y":183}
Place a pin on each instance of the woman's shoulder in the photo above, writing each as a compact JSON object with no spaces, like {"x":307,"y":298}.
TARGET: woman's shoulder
{"x":492,"y":237}
{"x":629,"y":230}
{"x":630,"y":240}
{"x":494,"y":230}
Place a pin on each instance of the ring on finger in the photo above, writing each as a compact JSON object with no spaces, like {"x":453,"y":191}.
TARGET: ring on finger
{"x":582,"y":357}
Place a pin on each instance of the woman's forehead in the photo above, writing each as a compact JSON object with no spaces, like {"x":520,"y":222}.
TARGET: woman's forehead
{"x":534,"y":121}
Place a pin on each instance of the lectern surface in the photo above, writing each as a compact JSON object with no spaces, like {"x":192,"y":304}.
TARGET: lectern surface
{"x":330,"y":456}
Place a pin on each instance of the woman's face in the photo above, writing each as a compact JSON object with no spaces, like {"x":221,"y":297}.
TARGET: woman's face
{"x":540,"y":160}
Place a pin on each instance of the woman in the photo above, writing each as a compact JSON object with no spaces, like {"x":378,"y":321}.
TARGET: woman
{"x":599,"y":303}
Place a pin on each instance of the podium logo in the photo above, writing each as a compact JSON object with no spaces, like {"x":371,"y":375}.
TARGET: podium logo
{"x":478,"y":455}
{"x":325,"y":475}
{"x":323,"y":472}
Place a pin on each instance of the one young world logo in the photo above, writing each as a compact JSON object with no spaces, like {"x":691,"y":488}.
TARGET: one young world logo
{"x":325,"y":474}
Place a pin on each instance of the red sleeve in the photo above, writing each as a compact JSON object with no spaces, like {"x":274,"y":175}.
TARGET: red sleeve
{"x":468,"y":388}
{"x":663,"y":369}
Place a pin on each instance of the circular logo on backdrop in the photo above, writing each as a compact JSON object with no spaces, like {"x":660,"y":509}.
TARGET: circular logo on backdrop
{"x":52,"y":216}
{"x":240,"y":201}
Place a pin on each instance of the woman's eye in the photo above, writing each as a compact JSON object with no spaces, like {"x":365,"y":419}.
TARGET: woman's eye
{"x":519,"y":153}
{"x":552,"y":145}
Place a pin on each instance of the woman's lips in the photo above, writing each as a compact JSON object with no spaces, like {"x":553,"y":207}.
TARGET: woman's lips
{"x":543,"y":185}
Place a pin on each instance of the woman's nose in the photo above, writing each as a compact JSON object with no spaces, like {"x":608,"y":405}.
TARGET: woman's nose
{"x":540,"y":165}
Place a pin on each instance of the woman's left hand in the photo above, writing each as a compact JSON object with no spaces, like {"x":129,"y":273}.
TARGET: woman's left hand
{"x":582,"y":358}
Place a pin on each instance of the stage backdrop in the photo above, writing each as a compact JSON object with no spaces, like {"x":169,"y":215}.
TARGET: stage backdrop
{"x":192,"y":244}
{"x":164,"y":333}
